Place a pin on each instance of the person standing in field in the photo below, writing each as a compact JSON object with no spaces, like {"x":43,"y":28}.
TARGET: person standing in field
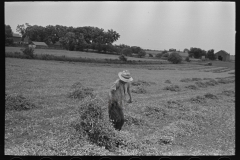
{"x":117,"y":98}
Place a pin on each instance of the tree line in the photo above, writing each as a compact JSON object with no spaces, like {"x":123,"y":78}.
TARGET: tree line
{"x":76,"y":38}
{"x":84,"y":38}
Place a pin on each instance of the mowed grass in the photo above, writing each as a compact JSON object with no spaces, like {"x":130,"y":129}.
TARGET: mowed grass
{"x":78,"y":54}
{"x":164,"y":122}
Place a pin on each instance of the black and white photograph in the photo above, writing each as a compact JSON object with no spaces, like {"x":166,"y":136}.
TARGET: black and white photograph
{"x":119,"y":78}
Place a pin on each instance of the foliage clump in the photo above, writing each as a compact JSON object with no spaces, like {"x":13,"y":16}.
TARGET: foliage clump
{"x":28,"y":51}
{"x":174,"y":58}
{"x":18,"y":102}
{"x":122,"y":58}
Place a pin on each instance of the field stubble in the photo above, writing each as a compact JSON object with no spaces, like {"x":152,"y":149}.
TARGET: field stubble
{"x":158,"y":122}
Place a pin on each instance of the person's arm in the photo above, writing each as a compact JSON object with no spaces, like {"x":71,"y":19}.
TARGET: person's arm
{"x":129,"y":93}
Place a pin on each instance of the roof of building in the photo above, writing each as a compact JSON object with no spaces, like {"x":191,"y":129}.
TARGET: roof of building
{"x":39,"y":43}
{"x":16,"y":35}
{"x":222,"y":52}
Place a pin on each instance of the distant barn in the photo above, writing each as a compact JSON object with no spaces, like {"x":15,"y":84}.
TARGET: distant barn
{"x":39,"y":44}
{"x":222,"y":56}
{"x":16,"y":38}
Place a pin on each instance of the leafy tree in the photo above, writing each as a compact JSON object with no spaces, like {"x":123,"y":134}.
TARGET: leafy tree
{"x":141,"y":53}
{"x":159,"y":55}
{"x":22,"y":29}
{"x":196,"y":52}
{"x":175,"y":58}
{"x":127,"y":52}
{"x":210,"y":54}
{"x":135,"y":49}
{"x":8,"y":35}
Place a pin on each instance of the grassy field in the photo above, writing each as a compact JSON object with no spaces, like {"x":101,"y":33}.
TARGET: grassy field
{"x":78,"y":54}
{"x":192,"y":105}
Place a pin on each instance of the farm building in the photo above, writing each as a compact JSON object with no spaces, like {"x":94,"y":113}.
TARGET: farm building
{"x":232,"y":57}
{"x":16,"y":38}
{"x":38,"y":44}
{"x":222,"y":56}
{"x":26,"y":40}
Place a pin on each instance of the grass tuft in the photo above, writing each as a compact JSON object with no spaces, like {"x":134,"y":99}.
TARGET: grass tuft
{"x":191,"y":87}
{"x":175,"y":88}
{"x":18,"y":102}
{"x":79,"y":91}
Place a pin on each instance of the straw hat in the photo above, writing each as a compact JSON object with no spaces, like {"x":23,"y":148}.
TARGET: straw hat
{"x":125,"y":76}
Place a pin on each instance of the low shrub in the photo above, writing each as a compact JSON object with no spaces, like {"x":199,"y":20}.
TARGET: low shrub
{"x":175,"y":88}
{"x":79,"y":91}
{"x":28,"y":51}
{"x":150,"y":55}
{"x":122,"y":58}
{"x":18,"y":102}
{"x":174,"y":58}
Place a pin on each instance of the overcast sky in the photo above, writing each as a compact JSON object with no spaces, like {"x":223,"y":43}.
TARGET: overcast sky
{"x":150,"y":25}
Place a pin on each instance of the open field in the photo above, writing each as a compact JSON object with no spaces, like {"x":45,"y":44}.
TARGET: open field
{"x":186,"y":109}
{"x":77,"y":54}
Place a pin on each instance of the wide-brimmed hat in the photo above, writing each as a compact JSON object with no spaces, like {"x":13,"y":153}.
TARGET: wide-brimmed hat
{"x":125,"y":76}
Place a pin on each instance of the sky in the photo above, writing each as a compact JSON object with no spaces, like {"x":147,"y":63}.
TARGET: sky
{"x":149,"y":25}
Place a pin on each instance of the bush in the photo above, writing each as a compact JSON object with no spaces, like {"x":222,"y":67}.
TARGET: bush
{"x":18,"y":102}
{"x":187,"y":59}
{"x":123,"y":58}
{"x":28,"y":51}
{"x":159,"y":55}
{"x":141,"y":54}
{"x":150,"y":55}
{"x":165,"y":55}
{"x":175,"y":58}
